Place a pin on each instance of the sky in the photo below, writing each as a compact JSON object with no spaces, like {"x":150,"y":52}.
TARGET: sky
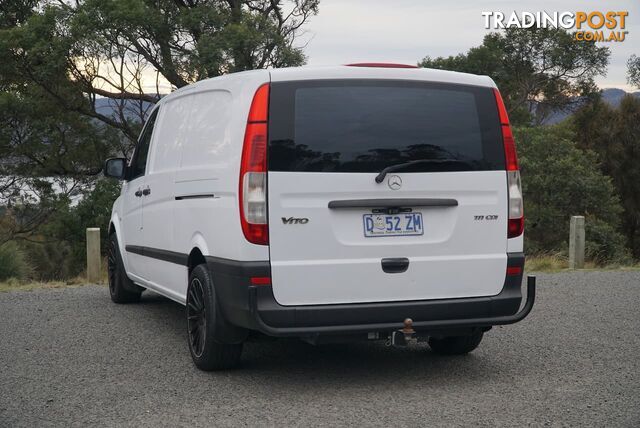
{"x":405,"y":31}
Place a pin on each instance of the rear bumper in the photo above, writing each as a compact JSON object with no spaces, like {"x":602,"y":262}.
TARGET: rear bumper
{"x":255,"y":307}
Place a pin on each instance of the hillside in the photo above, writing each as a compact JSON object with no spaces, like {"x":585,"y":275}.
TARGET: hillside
{"x":612,"y":96}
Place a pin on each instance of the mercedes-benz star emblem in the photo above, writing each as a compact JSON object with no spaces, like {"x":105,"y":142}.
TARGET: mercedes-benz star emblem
{"x":395,"y":182}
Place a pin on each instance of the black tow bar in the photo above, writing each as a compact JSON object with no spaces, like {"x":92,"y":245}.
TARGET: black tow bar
{"x":400,"y":338}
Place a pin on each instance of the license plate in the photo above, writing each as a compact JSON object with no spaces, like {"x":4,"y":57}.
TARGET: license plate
{"x":405,"y":224}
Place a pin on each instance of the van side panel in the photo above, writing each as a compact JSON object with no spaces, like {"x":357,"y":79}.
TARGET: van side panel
{"x":158,"y":205}
{"x":193,"y":179}
{"x":206,"y":211}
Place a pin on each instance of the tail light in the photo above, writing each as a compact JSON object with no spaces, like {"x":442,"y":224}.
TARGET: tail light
{"x":253,"y":171}
{"x":514,"y":186}
{"x":260,"y":280}
{"x":514,"y":270}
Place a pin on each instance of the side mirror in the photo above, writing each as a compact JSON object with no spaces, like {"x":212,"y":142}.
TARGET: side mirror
{"x":115,"y":168}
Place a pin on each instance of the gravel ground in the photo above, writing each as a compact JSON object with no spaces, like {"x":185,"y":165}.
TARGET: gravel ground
{"x":69,"y":357}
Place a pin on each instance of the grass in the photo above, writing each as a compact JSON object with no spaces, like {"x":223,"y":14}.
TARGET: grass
{"x":13,"y":284}
{"x":552,"y":263}
{"x":546,"y":263}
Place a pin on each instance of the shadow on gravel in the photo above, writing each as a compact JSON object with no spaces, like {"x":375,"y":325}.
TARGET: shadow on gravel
{"x":284,"y":360}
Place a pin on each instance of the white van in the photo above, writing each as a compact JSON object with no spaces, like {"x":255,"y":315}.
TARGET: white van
{"x":369,"y":201}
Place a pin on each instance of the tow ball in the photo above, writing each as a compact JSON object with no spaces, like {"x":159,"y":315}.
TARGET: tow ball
{"x":400,"y":338}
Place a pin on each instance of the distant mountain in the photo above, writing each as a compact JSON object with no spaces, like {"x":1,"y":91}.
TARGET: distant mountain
{"x":612,"y":96}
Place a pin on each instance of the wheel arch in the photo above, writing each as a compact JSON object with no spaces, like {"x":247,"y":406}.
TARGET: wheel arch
{"x":195,"y":258}
{"x":114,"y":227}
{"x":225,"y":332}
{"x":199,"y":249}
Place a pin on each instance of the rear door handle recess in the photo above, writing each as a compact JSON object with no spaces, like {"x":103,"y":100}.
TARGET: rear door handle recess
{"x":138,"y":193}
{"x":395,"y":265}
{"x":146,"y":191}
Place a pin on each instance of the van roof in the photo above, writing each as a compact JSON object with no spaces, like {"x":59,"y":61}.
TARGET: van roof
{"x":366,"y":72}
{"x":345,"y":72}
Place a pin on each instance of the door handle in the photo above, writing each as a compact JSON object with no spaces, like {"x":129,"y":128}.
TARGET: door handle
{"x":138,"y":193}
{"x":395,"y":265}
{"x":146,"y":191}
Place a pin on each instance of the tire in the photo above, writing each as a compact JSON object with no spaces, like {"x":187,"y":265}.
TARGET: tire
{"x":456,"y":345}
{"x":121,"y":288}
{"x":207,"y":330}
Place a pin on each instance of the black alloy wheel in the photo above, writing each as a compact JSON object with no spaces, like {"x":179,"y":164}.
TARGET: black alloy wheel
{"x":196,"y":317}
{"x":112,"y":265}
{"x":121,"y":288}
{"x":214,"y":344}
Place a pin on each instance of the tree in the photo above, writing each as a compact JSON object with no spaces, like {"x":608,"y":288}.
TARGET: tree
{"x":614,"y":134}
{"x":627,"y":170}
{"x":77,"y":80}
{"x":125,"y":50}
{"x":560,"y":180}
{"x":538,"y":71}
{"x":48,"y":158}
{"x":633,"y":71}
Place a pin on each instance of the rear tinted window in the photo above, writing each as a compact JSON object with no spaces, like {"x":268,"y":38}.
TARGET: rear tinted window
{"x":366,"y":125}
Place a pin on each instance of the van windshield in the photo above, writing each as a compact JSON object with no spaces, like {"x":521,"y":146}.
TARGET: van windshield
{"x":368,"y":125}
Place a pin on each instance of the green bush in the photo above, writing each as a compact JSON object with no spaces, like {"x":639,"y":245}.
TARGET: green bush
{"x":60,"y":250}
{"x":53,"y":261}
{"x":604,"y":244}
{"x":13,"y":262}
{"x":561,"y":180}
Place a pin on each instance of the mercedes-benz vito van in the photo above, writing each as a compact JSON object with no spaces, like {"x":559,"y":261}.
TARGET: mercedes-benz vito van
{"x":369,"y":201}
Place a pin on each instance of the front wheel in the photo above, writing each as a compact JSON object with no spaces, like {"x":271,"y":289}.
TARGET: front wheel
{"x":456,"y":345}
{"x":206,"y":326}
{"x":121,"y":288}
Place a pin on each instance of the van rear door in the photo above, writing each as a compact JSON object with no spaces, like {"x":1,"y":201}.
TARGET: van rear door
{"x":434,"y":227}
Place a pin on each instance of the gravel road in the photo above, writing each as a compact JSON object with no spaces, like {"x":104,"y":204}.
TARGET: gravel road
{"x":69,"y":357}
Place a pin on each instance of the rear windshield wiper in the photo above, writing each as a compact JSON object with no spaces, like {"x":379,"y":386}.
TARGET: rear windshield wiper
{"x":397,"y":167}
